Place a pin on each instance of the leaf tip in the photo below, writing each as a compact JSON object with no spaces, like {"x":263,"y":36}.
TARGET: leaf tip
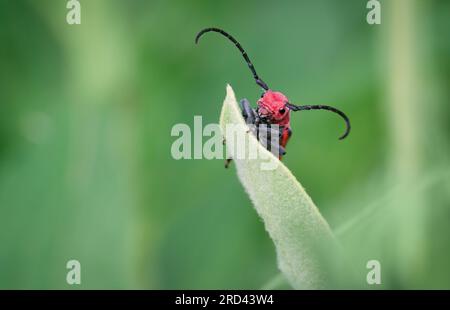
{"x":230,"y":94}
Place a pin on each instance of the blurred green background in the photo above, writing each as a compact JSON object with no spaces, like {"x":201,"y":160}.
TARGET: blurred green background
{"x":86,"y":113}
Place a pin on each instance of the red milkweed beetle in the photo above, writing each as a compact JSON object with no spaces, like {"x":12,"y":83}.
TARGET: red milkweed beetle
{"x":273,"y":107}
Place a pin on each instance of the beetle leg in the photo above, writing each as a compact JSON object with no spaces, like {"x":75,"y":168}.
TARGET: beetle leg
{"x":228,"y":162}
{"x":250,"y":116}
{"x":282,"y":151}
{"x":247,"y":112}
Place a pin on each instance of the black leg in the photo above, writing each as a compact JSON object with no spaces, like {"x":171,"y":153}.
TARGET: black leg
{"x":250,"y":116}
{"x":228,"y":162}
{"x":247,"y":112}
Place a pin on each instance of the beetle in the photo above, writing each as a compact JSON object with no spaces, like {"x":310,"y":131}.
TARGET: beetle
{"x":273,"y":108}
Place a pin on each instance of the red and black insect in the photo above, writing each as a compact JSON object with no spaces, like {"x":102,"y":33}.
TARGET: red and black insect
{"x":273,"y":107}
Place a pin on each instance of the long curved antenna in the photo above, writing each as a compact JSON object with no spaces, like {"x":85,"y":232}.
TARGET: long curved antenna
{"x":323,"y":107}
{"x":244,"y":54}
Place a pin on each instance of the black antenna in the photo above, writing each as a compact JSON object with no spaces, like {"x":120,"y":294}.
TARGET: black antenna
{"x":244,"y":54}
{"x":323,"y":107}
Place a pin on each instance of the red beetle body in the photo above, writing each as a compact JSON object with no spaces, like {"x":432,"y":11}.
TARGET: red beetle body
{"x":272,"y":106}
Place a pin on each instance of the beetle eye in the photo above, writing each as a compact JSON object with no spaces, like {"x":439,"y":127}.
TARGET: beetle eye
{"x":282,"y":110}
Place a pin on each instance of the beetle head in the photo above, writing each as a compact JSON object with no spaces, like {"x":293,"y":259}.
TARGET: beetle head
{"x":272,"y":108}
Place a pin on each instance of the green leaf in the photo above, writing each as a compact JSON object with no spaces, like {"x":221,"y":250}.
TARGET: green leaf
{"x":301,"y":235}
